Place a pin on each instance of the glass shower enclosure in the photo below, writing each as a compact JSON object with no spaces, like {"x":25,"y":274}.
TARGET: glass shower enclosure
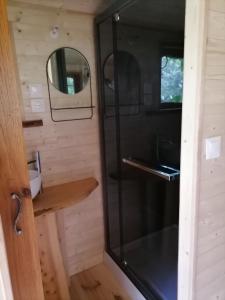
{"x":140,"y":64}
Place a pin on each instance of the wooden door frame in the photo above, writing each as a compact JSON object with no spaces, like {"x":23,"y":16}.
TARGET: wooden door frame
{"x":195,"y":43}
{"x":22,"y":250}
{"x":191,"y":144}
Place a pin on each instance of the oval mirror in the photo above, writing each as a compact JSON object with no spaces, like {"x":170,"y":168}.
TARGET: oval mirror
{"x":68,"y":70}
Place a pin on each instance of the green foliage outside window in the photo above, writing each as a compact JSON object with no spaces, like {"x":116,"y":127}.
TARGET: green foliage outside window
{"x":171,"y":79}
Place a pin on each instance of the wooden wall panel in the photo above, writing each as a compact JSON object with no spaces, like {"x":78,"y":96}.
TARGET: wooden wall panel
{"x":211,"y":211}
{"x":87,"y":6}
{"x":192,"y":111}
{"x":69,"y":150}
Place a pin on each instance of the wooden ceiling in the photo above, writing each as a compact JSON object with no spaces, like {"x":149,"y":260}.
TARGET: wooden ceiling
{"x":148,"y":13}
{"x":84,"y":6}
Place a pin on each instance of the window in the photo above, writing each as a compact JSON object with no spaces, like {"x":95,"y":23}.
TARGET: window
{"x":171,"y":79}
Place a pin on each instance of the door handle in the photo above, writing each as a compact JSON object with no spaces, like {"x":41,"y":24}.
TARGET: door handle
{"x":163,"y":172}
{"x":19,"y":206}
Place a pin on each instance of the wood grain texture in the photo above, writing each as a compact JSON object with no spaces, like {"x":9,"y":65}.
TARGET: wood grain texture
{"x":69,"y":150}
{"x":21,"y":250}
{"x":64,"y":195}
{"x":87,"y":6}
{"x":32,"y":123}
{"x":210,"y":261}
{"x":97,"y":283}
{"x":124,"y":281}
{"x":191,"y":142}
{"x":54,"y":276}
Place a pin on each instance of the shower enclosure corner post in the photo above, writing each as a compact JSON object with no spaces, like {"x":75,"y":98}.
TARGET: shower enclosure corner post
{"x":100,"y":92}
{"x":115,"y":21}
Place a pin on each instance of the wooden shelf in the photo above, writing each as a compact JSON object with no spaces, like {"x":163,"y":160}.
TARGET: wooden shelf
{"x":61,"y":196}
{"x":32,"y":123}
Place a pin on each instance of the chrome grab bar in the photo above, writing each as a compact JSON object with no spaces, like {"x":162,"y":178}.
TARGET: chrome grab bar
{"x":170,"y":176}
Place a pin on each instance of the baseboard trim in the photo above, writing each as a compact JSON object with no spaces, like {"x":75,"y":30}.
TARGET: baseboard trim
{"x":125,"y":282}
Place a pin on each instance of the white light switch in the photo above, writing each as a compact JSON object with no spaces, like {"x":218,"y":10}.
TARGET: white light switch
{"x":35,"y":90}
{"x":213,"y":147}
{"x":38,"y":105}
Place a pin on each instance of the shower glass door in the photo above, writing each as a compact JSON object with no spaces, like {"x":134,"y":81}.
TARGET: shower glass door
{"x":149,"y":155}
{"x":140,"y":65}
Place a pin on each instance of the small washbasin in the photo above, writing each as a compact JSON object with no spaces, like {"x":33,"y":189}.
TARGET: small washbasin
{"x":35,"y":182}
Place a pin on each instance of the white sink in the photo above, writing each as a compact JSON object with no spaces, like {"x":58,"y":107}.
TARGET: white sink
{"x":35,"y":182}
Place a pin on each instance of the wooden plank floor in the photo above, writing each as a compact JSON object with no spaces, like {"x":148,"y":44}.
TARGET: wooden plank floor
{"x":97,"y":283}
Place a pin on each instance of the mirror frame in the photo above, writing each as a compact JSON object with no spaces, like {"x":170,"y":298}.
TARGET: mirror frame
{"x":49,"y":85}
{"x":85,"y":60}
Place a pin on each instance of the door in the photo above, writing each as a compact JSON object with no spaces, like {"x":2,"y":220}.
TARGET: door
{"x":149,"y":144}
{"x":21,"y":248}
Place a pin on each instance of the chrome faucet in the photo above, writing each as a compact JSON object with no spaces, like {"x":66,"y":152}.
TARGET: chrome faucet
{"x":36,"y":161}
{"x":37,"y":165}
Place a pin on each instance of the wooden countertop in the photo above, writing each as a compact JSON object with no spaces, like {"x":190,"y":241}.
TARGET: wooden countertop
{"x":61,"y":196}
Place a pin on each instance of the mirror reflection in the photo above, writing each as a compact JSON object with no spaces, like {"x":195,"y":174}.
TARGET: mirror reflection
{"x":68,"y":70}
{"x":128,"y":71}
{"x":128,"y":75}
{"x":109,"y":71}
{"x":172,"y":69}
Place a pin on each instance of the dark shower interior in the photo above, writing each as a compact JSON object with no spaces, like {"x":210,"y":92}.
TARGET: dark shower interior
{"x":140,"y":51}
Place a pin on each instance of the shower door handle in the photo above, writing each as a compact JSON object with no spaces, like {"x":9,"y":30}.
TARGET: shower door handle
{"x":164,"y":172}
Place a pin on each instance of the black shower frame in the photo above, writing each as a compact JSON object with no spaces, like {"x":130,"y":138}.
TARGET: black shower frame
{"x":117,"y":7}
